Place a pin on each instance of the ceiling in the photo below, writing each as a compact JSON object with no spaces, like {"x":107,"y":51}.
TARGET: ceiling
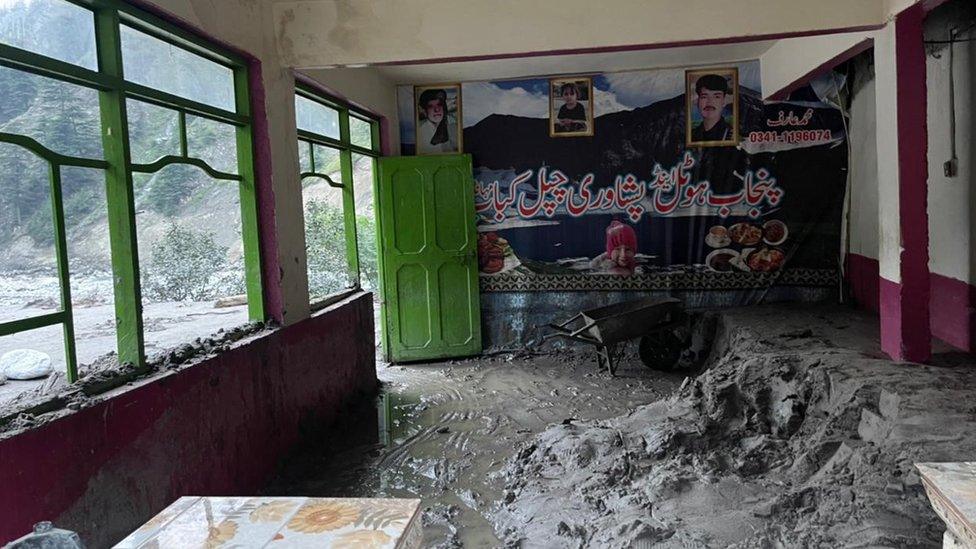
{"x":602,"y":62}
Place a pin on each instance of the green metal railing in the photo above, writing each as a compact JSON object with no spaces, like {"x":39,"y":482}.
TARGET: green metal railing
{"x":114,"y":90}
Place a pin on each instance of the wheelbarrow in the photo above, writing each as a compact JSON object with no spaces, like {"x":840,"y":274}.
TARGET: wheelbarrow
{"x":652,"y":319}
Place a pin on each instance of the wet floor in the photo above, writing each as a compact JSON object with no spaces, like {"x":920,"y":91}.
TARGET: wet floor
{"x":441,"y":432}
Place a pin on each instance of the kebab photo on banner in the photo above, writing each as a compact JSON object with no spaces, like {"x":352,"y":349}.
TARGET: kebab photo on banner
{"x":712,"y":111}
{"x":571,"y":107}
{"x":437,"y":118}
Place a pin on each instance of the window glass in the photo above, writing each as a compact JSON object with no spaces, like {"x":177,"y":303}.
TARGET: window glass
{"x":54,"y":28}
{"x":61,"y":116}
{"x":327,"y":161}
{"x":325,"y":234}
{"x":154,"y":132}
{"x":191,"y":262}
{"x":316,"y":118}
{"x":360,"y":132}
{"x":304,"y":157}
{"x":28,"y":264}
{"x":213,"y":142}
{"x":365,"y":221}
{"x":49,"y":341}
{"x":89,"y":263}
{"x":157,"y":64}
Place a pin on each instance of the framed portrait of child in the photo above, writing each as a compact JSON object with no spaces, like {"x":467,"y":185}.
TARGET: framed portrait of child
{"x":712,"y":110}
{"x":571,"y":106}
{"x":437,"y":118}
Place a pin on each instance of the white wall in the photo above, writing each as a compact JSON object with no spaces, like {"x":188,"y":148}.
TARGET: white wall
{"x":366,"y":88}
{"x":951,"y":200}
{"x":319,"y":33}
{"x":886,"y":102}
{"x":863,"y":216}
{"x":791,"y":59}
{"x":245,"y":24}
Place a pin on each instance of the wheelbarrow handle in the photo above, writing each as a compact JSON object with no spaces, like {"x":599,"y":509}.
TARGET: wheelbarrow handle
{"x":585,"y":327}
{"x":562,"y":326}
{"x":559,"y":330}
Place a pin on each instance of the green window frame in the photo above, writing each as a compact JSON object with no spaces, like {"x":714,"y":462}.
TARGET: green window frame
{"x":346,"y":148}
{"x":109,"y":80}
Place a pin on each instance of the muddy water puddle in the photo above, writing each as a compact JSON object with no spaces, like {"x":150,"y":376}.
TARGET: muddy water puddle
{"x":441,"y":432}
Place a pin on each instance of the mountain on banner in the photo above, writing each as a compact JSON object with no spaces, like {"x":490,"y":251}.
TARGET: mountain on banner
{"x":812,"y":174}
{"x":632,"y":142}
{"x":625,"y":141}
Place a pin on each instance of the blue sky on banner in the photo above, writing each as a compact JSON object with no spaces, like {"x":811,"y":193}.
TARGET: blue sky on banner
{"x":529,"y":97}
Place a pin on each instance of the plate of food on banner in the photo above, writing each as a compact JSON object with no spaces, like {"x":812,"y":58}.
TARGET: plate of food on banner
{"x":495,"y":255}
{"x":747,"y":247}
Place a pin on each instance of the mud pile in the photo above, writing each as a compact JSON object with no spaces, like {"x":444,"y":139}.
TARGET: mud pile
{"x":791,"y":437}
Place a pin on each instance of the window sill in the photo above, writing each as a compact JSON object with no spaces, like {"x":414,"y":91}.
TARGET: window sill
{"x":324,"y":302}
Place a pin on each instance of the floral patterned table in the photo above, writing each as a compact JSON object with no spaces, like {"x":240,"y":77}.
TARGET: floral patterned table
{"x":951,"y":488}
{"x":213,"y":522}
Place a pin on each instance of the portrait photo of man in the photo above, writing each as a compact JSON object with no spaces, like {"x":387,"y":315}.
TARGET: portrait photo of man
{"x":570,"y":107}
{"x":438,"y":119}
{"x":713,"y":107}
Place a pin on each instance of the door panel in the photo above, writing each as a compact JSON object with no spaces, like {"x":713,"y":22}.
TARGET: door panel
{"x":449,"y":202}
{"x":453,"y":283}
{"x":412,"y":283}
{"x":409,"y":215}
{"x":429,"y":264}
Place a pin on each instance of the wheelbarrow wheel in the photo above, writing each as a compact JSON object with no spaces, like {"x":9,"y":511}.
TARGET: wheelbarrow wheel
{"x":661,"y":350}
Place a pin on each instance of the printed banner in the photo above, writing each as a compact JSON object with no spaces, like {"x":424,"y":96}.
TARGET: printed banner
{"x":683,"y":180}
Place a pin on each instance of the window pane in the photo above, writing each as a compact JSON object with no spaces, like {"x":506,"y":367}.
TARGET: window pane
{"x":191,"y":263}
{"x":28,"y":265}
{"x":89,"y":261}
{"x":213,"y":142}
{"x":154,"y":132}
{"x":316,"y":117}
{"x":327,"y":161}
{"x":54,"y":28}
{"x":325,"y":234}
{"x":158,"y":64}
{"x":360,"y":132}
{"x":365,"y":220}
{"x":304,"y":157}
{"x":48,"y":340}
{"x":61,"y":116}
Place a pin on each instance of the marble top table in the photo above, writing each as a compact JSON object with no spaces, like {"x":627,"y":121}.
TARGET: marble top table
{"x":281,"y":522}
{"x":951,"y":488}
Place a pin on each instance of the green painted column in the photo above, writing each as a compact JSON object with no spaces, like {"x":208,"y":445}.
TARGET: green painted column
{"x":121,"y":206}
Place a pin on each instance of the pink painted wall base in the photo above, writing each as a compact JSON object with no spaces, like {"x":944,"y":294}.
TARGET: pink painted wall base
{"x":952,"y":303}
{"x":215,"y":428}
{"x":862,"y":281}
{"x":951,"y":311}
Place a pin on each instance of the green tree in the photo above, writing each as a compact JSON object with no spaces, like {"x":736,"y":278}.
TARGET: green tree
{"x":366,"y":239}
{"x":170,"y":187}
{"x":325,"y":247}
{"x":185,"y":265}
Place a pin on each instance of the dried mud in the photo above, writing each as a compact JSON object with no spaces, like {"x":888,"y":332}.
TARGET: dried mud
{"x":797,"y":434}
{"x":55,"y":396}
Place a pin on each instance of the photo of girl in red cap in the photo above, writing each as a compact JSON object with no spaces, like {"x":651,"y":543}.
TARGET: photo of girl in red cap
{"x":620,"y":257}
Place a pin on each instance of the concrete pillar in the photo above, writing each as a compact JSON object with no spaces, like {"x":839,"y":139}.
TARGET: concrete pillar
{"x":902,"y":187}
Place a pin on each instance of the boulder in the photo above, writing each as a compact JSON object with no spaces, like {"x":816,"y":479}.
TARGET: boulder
{"x":25,"y":364}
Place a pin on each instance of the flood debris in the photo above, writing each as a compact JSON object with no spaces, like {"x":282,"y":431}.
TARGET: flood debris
{"x":46,"y":536}
{"x":33,"y":406}
{"x":793,"y":436}
{"x":24,"y":364}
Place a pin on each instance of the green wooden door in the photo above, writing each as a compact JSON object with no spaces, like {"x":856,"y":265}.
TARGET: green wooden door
{"x":428,"y":257}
